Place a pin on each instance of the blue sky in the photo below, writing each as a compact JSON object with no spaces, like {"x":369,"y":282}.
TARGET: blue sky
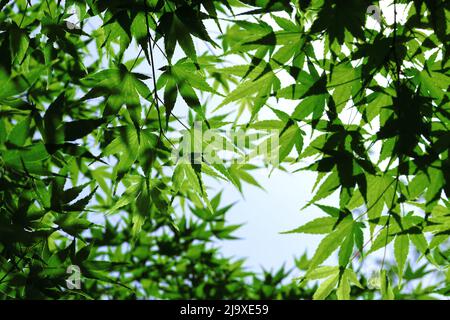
{"x":268,"y":212}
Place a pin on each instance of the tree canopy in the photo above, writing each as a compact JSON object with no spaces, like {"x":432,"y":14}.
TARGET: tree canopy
{"x":94,"y":95}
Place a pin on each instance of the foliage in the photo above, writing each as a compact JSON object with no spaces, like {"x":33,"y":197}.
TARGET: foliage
{"x":87,"y":132}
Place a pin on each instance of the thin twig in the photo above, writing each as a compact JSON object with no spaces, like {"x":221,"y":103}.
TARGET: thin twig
{"x":394,"y":45}
{"x":152,"y":62}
